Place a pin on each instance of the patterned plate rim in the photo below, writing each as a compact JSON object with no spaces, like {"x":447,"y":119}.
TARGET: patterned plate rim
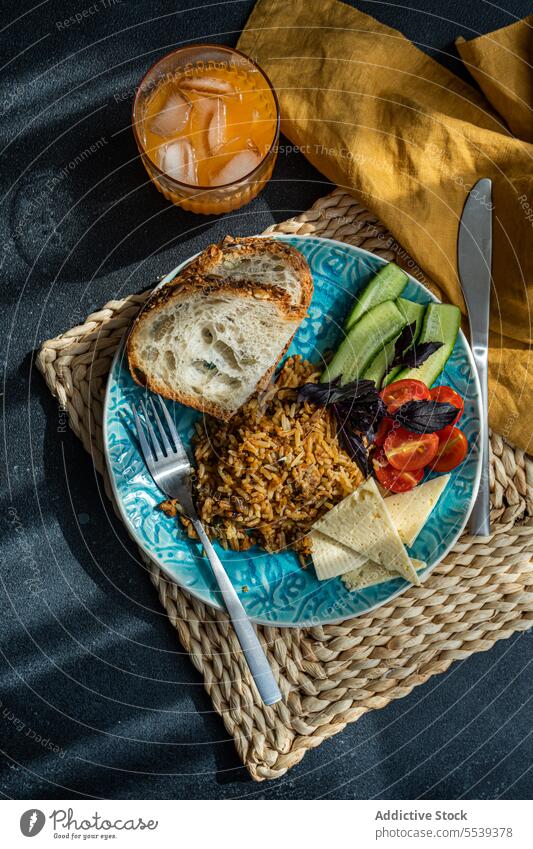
{"x":257,"y":619}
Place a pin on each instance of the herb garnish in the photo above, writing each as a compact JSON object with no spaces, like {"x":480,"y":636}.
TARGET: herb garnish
{"x":425,"y":416}
{"x":358,"y":402}
{"x":359,"y":409}
{"x":407,"y":354}
{"x":332,"y":392}
{"x":352,"y":442}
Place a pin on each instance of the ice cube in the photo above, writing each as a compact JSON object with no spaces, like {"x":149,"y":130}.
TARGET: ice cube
{"x":207,"y":85}
{"x":178,"y":161}
{"x":203,"y":110}
{"x":238,"y":167}
{"x":216,"y":131}
{"x":202,"y":113}
{"x":173,"y":117}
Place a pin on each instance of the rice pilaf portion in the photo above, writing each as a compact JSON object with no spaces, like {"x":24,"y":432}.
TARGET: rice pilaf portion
{"x":269,"y":473}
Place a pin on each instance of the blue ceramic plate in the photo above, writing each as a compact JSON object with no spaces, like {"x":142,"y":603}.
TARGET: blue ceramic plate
{"x":273,"y":587}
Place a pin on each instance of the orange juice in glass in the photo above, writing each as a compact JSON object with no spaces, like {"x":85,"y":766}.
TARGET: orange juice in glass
{"x":206,"y":122}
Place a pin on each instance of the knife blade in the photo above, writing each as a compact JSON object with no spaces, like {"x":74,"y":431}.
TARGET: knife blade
{"x":474,"y":261}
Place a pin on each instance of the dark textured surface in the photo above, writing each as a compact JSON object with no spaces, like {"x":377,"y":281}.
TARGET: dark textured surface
{"x":88,"y":659}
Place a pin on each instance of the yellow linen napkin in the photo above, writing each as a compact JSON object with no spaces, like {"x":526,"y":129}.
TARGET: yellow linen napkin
{"x":501,"y":63}
{"x":380,"y":118}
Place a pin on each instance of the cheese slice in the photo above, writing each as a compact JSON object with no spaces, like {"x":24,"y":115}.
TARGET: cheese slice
{"x":410,"y":511}
{"x":332,"y":560}
{"x":362,"y":522}
{"x":372,"y":573}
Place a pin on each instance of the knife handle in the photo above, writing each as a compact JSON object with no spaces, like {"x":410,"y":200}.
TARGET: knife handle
{"x":479,"y":522}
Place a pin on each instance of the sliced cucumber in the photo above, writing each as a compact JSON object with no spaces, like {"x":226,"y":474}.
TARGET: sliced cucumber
{"x":387,"y":284}
{"x":364,"y":341}
{"x":379,"y":365}
{"x":412,"y":312}
{"x":441,"y":324}
{"x":378,"y":368}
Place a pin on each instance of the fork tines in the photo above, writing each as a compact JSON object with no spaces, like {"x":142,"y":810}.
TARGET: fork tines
{"x":157,"y":444}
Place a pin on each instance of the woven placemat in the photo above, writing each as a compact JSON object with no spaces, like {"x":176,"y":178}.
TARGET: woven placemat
{"x":331,"y":675}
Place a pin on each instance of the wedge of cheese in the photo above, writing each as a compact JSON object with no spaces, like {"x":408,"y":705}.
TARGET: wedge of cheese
{"x":410,"y":511}
{"x":332,"y":560}
{"x":362,"y":522}
{"x":372,"y":573}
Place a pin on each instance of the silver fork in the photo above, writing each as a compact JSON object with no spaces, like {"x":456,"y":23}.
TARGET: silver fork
{"x":169,"y":465}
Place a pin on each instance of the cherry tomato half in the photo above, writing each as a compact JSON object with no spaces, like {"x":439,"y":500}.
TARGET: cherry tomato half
{"x":402,"y":391}
{"x":392,"y":479}
{"x":452,"y":449}
{"x":408,"y":451}
{"x":384,"y":427}
{"x":447,"y":395}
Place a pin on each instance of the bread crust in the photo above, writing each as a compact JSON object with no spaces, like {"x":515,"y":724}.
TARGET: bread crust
{"x":252,"y":246}
{"x":206,"y":286}
{"x":207,"y":261}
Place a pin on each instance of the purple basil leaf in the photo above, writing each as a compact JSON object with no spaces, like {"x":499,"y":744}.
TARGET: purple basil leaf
{"x":404,"y":341}
{"x":418,"y":354}
{"x":364,"y":417}
{"x":352,"y":443}
{"x":407,"y":354}
{"x":324,"y":394}
{"x":425,"y":416}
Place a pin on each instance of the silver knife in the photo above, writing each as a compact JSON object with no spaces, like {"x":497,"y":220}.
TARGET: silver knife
{"x":474,"y":261}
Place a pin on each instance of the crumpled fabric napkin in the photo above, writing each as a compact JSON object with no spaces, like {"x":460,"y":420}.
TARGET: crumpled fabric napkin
{"x":379,"y":117}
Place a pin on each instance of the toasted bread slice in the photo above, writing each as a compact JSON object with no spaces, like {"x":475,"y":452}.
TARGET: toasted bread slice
{"x":207,"y":342}
{"x":266,"y":261}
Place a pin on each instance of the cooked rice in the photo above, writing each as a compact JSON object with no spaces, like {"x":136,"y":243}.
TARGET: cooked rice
{"x":269,"y":473}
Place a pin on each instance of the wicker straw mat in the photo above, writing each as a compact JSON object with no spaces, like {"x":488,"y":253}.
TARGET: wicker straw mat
{"x":329,"y":675}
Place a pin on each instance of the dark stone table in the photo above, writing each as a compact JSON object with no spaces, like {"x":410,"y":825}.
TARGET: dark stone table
{"x":97,"y":697}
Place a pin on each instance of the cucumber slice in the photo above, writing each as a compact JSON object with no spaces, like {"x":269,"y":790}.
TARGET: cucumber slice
{"x":412,"y":312}
{"x":355,"y":353}
{"x":380,"y":363}
{"x":378,"y":368}
{"x":387,"y":284}
{"x":441,"y":324}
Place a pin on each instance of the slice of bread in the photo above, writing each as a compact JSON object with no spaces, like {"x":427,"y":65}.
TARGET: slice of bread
{"x":207,"y":342}
{"x":216,"y":332}
{"x":267,"y":261}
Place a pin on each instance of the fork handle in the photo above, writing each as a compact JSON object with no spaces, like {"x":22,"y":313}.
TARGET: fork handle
{"x":251,"y":647}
